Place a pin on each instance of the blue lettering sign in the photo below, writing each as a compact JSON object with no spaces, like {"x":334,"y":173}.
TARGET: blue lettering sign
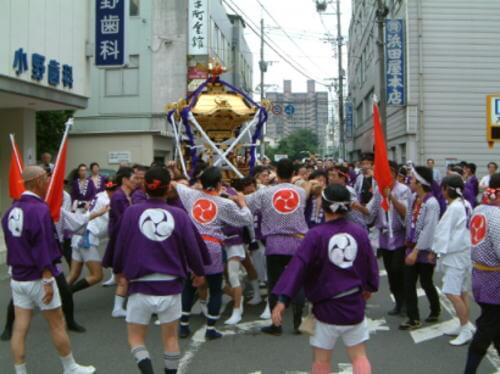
{"x":110,"y":32}
{"x":395,"y":62}
{"x":37,"y":66}
{"x":20,"y":61}
{"x":348,"y":120}
{"x":289,"y":109}
{"x":67,"y":76}
{"x":54,"y":73}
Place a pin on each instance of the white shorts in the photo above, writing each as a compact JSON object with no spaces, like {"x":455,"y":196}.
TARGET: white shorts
{"x":86,"y":255}
{"x":326,"y":335}
{"x":237,"y":250}
{"x":29,"y":294}
{"x":455,"y":281}
{"x":141,"y":307}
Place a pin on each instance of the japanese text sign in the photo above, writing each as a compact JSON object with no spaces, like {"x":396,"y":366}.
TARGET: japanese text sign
{"x":110,"y":18}
{"x":395,"y":62}
{"x":198,"y":27}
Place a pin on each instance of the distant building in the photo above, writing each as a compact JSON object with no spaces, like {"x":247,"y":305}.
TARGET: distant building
{"x":293,"y":111}
{"x":166,"y":40}
{"x":437,"y":91}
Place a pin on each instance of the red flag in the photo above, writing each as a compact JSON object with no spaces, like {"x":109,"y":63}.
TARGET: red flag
{"x":54,"y":198}
{"x":381,"y":169}
{"x":16,"y":185}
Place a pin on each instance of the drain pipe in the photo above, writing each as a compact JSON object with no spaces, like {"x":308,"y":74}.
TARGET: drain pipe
{"x":420,"y":106}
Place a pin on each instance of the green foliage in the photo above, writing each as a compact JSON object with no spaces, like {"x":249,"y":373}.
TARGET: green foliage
{"x":49,"y":131}
{"x":297,"y":145}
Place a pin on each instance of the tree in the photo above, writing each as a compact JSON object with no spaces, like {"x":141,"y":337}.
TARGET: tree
{"x":297,"y":145}
{"x":49,"y":131}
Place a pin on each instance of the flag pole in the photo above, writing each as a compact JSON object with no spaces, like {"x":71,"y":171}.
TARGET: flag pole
{"x":68,"y":124}
{"x":14,"y":148}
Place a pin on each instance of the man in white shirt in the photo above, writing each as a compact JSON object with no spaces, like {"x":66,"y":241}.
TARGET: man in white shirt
{"x":485,"y":181}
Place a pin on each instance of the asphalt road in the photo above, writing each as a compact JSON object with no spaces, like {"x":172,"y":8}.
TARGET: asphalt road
{"x":243,"y":350}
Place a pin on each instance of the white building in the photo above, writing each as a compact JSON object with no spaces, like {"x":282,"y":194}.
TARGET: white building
{"x":451,"y":63}
{"x":126,"y":117}
{"x":43,"y":66}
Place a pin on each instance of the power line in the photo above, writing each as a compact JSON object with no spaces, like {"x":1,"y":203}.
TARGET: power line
{"x":286,"y":34}
{"x":294,"y":64}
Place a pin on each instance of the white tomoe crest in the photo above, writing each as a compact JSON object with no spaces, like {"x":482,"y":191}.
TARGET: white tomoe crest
{"x":342,"y":250}
{"x":156,"y":224}
{"x":16,"y":222}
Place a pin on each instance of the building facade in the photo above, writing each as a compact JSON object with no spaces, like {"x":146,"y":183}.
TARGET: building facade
{"x":43,"y":66}
{"x":292,"y":111}
{"x":166,"y":42}
{"x":449,"y":64}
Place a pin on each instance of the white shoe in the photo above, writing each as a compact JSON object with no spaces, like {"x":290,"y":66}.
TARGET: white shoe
{"x":119,"y":313}
{"x":453,"y":330}
{"x":110,"y":282}
{"x":235,"y":317}
{"x":157,"y":322}
{"x":79,"y":369}
{"x":255,"y":300}
{"x":267,"y":313}
{"x":471,"y":327}
{"x":464,"y":337}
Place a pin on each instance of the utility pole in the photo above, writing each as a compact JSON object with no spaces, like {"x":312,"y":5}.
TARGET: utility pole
{"x":382,"y":12}
{"x":263,"y":69}
{"x":340,"y":42}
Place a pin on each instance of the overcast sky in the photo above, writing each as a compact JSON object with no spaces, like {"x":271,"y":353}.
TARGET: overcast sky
{"x":300,"y":20}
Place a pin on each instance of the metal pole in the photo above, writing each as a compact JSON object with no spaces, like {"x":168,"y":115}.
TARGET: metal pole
{"x":381,"y":13}
{"x":340,"y":42}
{"x":262,"y":66}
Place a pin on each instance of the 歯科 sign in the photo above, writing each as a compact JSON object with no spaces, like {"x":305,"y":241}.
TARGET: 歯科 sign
{"x":110,"y":20}
{"x":395,"y":62}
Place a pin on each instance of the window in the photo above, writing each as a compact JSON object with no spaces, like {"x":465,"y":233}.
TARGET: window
{"x":123,"y":81}
{"x":134,"y":6}
{"x":402,"y":150}
{"x":359,"y":115}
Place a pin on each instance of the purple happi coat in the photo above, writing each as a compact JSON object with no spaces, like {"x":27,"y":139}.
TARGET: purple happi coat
{"x":210,"y":214}
{"x":391,"y":226}
{"x":99,"y":186}
{"x":120,"y":201}
{"x":282,"y":210}
{"x":31,"y":238}
{"x":138,"y":196}
{"x":82,"y":190}
{"x":156,"y":240}
{"x":335,"y":264}
{"x":471,"y":190}
{"x":421,"y":225}
{"x":485,"y":237}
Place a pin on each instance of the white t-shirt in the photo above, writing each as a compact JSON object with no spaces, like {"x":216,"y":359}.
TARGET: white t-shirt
{"x":485,"y":181}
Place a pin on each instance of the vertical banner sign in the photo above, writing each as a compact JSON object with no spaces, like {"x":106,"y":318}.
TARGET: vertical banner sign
{"x":492,"y":119}
{"x":198,"y":27}
{"x":110,"y":18}
{"x":395,"y":62}
{"x":348,"y":120}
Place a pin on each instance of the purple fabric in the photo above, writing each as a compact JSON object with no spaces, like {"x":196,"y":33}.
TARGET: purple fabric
{"x":438,"y":194}
{"x":486,"y":252}
{"x":102,"y":182}
{"x":323,"y":279}
{"x":471,"y":190}
{"x":36,"y":248}
{"x":309,"y":211}
{"x":138,"y":196}
{"x":77,"y":194}
{"x":136,"y":255}
{"x":118,"y":204}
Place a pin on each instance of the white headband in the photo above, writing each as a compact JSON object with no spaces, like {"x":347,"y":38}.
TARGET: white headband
{"x":419,"y":178}
{"x":458,"y":190}
{"x":336,"y":205}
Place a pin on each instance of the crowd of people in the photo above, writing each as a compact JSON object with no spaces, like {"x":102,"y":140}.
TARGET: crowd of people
{"x":310,"y":231}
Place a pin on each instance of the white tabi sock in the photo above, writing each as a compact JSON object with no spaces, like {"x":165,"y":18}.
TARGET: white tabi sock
{"x":119,"y":301}
{"x":21,"y":369}
{"x":68,"y":362}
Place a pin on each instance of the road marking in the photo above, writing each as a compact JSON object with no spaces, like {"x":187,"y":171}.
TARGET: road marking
{"x":382,"y":273}
{"x":432,"y":332}
{"x":375,"y":325}
{"x":198,"y":340}
{"x":492,"y":354}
